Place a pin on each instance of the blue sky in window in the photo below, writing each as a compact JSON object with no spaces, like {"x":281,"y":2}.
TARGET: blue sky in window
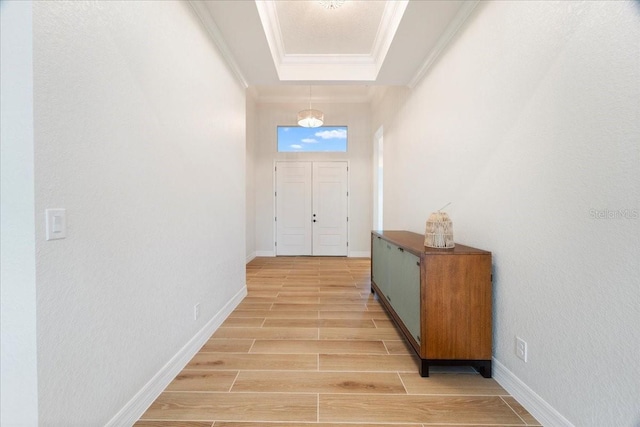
{"x":305,"y":140}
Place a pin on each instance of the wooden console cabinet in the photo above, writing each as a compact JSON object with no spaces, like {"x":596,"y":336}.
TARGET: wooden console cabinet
{"x":439,"y":298}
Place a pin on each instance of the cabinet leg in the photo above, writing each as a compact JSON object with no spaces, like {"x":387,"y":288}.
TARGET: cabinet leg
{"x":484,"y":368}
{"x":424,"y":368}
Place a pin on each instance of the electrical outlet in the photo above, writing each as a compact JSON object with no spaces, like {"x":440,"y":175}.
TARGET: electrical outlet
{"x":196,"y":311}
{"x":521,"y":348}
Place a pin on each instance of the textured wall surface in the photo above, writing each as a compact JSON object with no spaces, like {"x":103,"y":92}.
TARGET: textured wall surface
{"x":252,"y":137}
{"x":357,"y":118}
{"x":529,"y":123}
{"x":18,"y":360}
{"x":140,"y":135}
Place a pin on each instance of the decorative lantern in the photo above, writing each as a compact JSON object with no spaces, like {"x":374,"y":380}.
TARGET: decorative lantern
{"x":439,"y":231}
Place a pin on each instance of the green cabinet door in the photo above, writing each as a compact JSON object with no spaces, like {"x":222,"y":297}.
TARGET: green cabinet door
{"x":405,"y":289}
{"x":407,"y":304}
{"x":392,"y":268}
{"x":396,"y":272}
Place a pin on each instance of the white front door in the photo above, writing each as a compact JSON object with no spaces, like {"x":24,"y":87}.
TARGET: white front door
{"x":330,"y":208}
{"x":293,"y":208}
{"x":311,"y":208}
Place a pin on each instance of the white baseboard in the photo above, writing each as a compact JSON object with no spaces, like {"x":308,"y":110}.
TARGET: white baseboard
{"x":538,"y":407}
{"x":134,"y":409}
{"x":359,"y":254}
{"x":266,"y":253}
{"x":352,"y":254}
{"x":250,"y":257}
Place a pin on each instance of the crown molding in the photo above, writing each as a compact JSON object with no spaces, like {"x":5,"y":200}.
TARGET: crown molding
{"x":314,"y":100}
{"x":269,"y":18}
{"x":317,"y":98}
{"x":445,"y":39}
{"x":216,"y":36}
{"x":391,"y":18}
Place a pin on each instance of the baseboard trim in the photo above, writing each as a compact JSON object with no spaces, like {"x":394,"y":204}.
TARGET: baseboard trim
{"x":265,"y":253}
{"x":537,"y":406}
{"x":359,"y":254}
{"x":134,"y":409}
{"x":352,"y":254}
{"x":251,"y":257}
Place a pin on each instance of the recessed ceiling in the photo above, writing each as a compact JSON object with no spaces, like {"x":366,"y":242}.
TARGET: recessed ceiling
{"x":275,"y":43}
{"x":309,"y":42}
{"x":307,"y":28}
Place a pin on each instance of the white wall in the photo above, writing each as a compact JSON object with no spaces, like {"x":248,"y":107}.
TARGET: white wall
{"x":19,"y":377}
{"x":528,"y":123}
{"x":252,"y":122}
{"x":140,"y":135}
{"x":356,"y":116}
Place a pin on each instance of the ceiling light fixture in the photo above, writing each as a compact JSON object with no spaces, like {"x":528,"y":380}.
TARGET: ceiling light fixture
{"x":310,"y":118}
{"x":331,"y":4}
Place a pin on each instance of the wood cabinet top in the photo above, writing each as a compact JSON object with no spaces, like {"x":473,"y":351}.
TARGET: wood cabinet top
{"x":414,"y":242}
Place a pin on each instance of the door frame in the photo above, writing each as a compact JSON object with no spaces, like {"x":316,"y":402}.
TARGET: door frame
{"x":275,"y":207}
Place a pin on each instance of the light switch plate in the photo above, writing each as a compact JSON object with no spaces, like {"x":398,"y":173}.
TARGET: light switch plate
{"x":56,"y":223}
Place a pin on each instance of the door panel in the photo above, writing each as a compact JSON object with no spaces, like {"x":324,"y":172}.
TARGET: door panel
{"x":330,"y":208}
{"x":311,"y":208}
{"x":293,"y":208}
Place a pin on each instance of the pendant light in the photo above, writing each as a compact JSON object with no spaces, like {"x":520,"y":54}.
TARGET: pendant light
{"x":310,"y":118}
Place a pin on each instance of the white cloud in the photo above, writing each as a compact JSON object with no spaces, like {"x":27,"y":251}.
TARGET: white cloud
{"x":332,"y":134}
{"x":309,"y":141}
{"x":296,"y":146}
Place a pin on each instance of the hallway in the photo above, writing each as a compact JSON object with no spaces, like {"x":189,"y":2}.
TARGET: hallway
{"x":311,"y":346}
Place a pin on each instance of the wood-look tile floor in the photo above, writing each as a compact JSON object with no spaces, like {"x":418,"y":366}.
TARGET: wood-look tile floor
{"x":311,"y":346}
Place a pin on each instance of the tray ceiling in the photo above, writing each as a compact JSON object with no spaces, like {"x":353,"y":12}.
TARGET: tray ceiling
{"x":360,"y":43}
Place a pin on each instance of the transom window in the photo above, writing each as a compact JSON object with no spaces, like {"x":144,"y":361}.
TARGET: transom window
{"x":312,"y":140}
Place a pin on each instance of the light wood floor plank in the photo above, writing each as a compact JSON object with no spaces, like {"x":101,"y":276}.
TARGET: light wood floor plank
{"x":446,"y":384}
{"x":353,"y":315}
{"x":240,"y":322}
{"x":249,"y":424}
{"x":267,"y":333}
{"x":424,"y":409}
{"x":318,"y":307}
{"x":227,"y":345}
{"x":320,"y":323}
{"x":233,"y":407}
{"x":203,"y":380}
{"x":280,"y":314}
{"x":368,"y":363}
{"x":384,"y":323}
{"x":172,"y":424}
{"x":356,"y":299}
{"x":235,"y":361}
{"x":259,"y":300}
{"x":299,"y":300}
{"x":318,"y":382}
{"x":255,"y":306}
{"x":519,"y":409}
{"x":398,"y":347}
{"x":355,"y":348}
{"x":360,"y":334}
